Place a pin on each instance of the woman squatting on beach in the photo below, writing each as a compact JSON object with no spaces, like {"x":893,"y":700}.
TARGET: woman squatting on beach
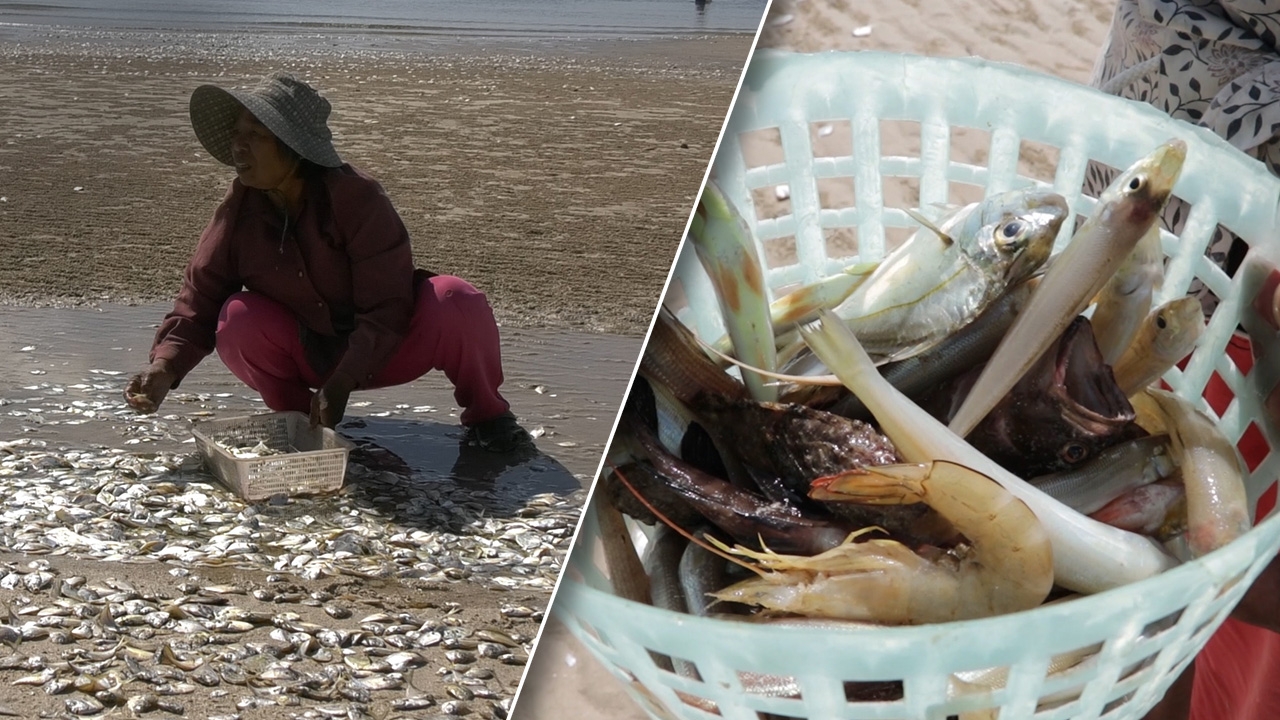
{"x":1213,"y":63}
{"x":304,"y":280}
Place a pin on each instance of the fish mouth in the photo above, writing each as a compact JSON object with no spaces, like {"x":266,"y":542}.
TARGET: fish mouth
{"x":1161,"y":169}
{"x":1085,"y":384}
{"x":1165,"y":165}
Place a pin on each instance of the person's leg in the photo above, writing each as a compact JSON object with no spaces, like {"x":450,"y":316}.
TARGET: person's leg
{"x":258,"y":341}
{"x":452,"y":330}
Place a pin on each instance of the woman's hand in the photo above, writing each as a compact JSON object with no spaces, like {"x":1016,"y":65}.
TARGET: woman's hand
{"x":147,"y":389}
{"x":330,"y":402}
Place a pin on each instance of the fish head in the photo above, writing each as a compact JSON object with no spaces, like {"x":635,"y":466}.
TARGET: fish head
{"x":1064,"y":411}
{"x":1179,"y":323}
{"x":1018,"y":229}
{"x":1094,"y":410}
{"x":1147,"y":184}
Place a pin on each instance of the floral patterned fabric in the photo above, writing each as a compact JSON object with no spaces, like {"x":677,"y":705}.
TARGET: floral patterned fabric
{"x":1215,"y":63}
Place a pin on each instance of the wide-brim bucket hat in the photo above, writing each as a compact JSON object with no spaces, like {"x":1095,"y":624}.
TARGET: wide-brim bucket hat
{"x":290,"y":108}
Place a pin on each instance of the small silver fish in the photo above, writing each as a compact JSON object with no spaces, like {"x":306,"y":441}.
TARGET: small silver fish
{"x":1126,"y":298}
{"x":1168,"y":334}
{"x":942,"y":278}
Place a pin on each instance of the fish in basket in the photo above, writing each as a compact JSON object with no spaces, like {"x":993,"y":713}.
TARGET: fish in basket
{"x":261,"y":456}
{"x":961,"y":475}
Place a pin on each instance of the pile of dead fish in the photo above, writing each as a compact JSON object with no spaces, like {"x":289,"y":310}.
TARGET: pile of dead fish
{"x":248,"y":452}
{"x":131,"y":506}
{"x":105,"y":645}
{"x":112,"y":505}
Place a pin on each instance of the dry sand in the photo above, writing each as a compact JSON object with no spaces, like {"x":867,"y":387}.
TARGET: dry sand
{"x":1059,"y":38}
{"x":558,"y":180}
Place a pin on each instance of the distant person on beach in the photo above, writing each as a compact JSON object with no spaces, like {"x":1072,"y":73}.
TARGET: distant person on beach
{"x":304,"y":280}
{"x":1215,"y":64}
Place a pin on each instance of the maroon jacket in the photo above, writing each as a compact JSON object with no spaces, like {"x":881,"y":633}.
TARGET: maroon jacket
{"x":344,"y":266}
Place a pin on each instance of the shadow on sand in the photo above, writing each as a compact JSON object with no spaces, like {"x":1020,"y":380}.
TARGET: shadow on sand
{"x":404,"y":467}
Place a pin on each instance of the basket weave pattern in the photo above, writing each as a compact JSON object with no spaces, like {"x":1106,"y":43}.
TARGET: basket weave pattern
{"x":313,"y":461}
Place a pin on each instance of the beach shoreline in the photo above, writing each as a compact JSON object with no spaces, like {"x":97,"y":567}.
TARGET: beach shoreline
{"x":565,"y":20}
{"x":715,"y":48}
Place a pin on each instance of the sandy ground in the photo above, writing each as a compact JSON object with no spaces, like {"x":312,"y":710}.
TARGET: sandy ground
{"x":558,"y":185}
{"x":556,"y":181}
{"x":1060,"y":38}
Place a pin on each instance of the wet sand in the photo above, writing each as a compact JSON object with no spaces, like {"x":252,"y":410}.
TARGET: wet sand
{"x":564,"y":679}
{"x":557,"y":180}
{"x":563,"y":385}
{"x":558,"y":183}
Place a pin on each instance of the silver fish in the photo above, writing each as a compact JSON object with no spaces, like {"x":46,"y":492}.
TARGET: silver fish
{"x":1125,"y":212}
{"x":940,"y":279}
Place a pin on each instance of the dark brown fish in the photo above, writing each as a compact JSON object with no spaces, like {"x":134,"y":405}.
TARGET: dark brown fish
{"x":654,"y":494}
{"x":773,"y":449}
{"x":780,"y":446}
{"x":748,"y":518}
{"x":785,"y":447}
{"x":1065,"y":410}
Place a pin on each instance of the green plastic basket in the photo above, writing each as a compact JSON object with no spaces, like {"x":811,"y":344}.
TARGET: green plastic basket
{"x":796,"y":96}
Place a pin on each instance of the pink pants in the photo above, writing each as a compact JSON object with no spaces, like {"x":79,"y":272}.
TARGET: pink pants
{"x":452,"y":330}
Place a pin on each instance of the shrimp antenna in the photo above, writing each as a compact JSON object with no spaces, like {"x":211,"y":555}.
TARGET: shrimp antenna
{"x":824,"y":380}
{"x":685,"y":533}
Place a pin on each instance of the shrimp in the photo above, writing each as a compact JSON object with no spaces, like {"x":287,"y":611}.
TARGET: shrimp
{"x":1006,"y":567}
{"x":1217,"y":506}
{"x":1088,"y":556}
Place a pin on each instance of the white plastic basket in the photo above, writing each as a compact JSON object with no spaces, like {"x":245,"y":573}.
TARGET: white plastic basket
{"x":795,"y":96}
{"x":314,"y":460}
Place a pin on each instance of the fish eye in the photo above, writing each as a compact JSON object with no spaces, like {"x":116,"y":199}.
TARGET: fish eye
{"x":1161,"y":323}
{"x":1011,"y":231}
{"x":1073,"y":453}
{"x":1137,"y":182}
